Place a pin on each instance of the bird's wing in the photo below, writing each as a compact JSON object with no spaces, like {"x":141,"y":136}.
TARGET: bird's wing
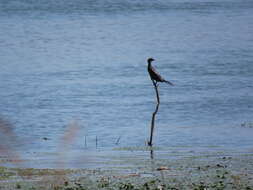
{"x":156,"y":75}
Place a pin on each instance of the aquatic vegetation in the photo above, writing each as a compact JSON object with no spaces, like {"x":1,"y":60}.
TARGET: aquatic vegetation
{"x":5,"y":173}
{"x":193,"y":173}
{"x":137,"y":148}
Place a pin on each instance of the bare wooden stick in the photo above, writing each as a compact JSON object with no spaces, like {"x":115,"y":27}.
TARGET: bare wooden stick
{"x":154,"y":113}
{"x":96,"y":141}
{"x":117,"y":142}
{"x":85,"y":142}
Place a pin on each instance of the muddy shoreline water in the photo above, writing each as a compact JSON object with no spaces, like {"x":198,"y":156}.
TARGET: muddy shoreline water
{"x":133,"y":168}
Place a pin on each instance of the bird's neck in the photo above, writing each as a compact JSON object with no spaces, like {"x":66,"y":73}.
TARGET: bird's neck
{"x":149,"y":63}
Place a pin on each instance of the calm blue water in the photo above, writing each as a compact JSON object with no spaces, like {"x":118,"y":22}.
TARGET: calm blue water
{"x":85,"y":62}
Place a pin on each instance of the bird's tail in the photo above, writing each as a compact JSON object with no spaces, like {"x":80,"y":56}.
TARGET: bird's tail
{"x":170,"y":83}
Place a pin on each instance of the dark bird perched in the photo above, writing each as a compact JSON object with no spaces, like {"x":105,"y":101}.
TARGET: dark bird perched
{"x":154,"y":75}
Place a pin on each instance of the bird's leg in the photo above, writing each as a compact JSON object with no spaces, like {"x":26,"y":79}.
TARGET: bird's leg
{"x":156,"y":84}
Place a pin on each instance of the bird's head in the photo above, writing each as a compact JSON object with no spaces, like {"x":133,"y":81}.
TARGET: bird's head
{"x":150,"y":60}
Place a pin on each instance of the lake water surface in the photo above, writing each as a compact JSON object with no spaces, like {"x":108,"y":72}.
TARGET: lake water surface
{"x":70,"y":69}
